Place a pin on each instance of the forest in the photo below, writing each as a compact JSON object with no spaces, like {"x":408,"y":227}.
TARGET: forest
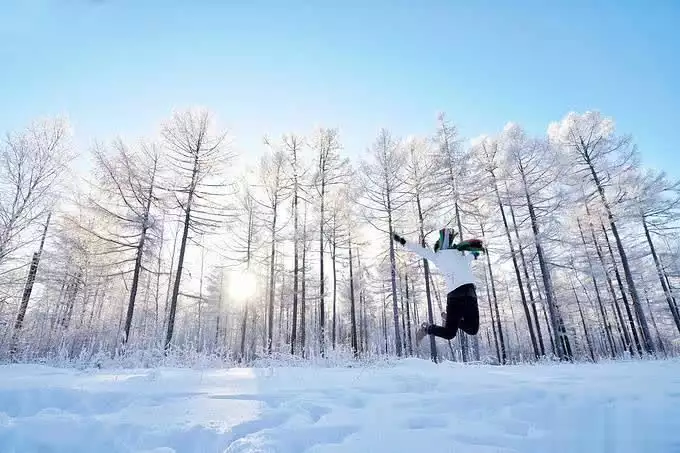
{"x":177,"y":246}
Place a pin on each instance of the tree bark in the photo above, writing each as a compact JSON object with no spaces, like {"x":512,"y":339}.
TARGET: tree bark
{"x":583,"y":322}
{"x":493,"y":319}
{"x":182,"y":251}
{"x":353,"y":316}
{"x":335,"y":287}
{"x":408,"y":319}
{"x":303,"y":294}
{"x":28,"y":289}
{"x":631,"y":321}
{"x":272,"y":289}
{"x":503,"y":357}
{"x":528,"y":281}
{"x":140,"y":255}
{"x":555,"y":315}
{"x":428,"y":292}
{"x":666,"y":290}
{"x":607,"y":327}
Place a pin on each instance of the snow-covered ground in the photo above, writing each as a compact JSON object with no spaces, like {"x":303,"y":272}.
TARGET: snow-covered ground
{"x":412,"y":406}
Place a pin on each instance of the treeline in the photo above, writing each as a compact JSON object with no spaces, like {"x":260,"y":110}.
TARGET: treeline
{"x":177,"y":243}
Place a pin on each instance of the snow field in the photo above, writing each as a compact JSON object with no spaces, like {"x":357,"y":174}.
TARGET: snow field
{"x":411,"y":406}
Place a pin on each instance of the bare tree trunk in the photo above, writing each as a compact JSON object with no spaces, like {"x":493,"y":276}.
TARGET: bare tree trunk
{"x":28,"y":289}
{"x":631,"y":321}
{"x":545,"y":313}
{"x":555,"y":315}
{"x":583,"y":322}
{"x":158,"y":278}
{"x":656,"y":328}
{"x":281,"y":336}
{"x":514,"y":320}
{"x":168,"y":292}
{"x":296,"y":241}
{"x":303,"y":294}
{"x":462,"y":336}
{"x":244,"y":325}
{"x":199,"y":333}
{"x":493,"y":320}
{"x":408,"y":319}
{"x":270,"y":322}
{"x":528,"y":281}
{"x":428,"y":292}
{"x":525,"y":306}
{"x":503,"y":351}
{"x":182,"y":251}
{"x":384,"y":318}
{"x":353,"y":316}
{"x":607,"y":327}
{"x":669,"y":296}
{"x":335,"y":287}
{"x":322,"y":296}
{"x":140,"y":255}
{"x":403,"y":314}
{"x":393,"y":275}
{"x":626,"y":340}
{"x":220,"y":310}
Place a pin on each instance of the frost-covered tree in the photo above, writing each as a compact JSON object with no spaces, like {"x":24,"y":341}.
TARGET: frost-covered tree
{"x":597,"y":153}
{"x":199,"y":156}
{"x":384,"y":193}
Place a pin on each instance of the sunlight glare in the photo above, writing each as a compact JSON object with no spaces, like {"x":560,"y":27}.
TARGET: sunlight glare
{"x":242,"y":286}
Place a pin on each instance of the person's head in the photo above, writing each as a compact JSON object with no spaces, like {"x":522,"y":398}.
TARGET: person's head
{"x":445,"y":240}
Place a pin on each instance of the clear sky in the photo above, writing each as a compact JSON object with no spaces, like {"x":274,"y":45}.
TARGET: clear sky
{"x":121,"y":66}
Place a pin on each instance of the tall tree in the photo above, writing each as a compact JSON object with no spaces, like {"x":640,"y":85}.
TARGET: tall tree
{"x":127,"y":193}
{"x":199,"y":156}
{"x":589,"y":139}
{"x":656,"y":202}
{"x":31,"y":164}
{"x":385,"y":193}
{"x":488,"y":151}
{"x":421,"y":173}
{"x":28,"y":289}
{"x":293,"y":146}
{"x":535,"y":165}
{"x":329,"y":171}
{"x":273,"y":182}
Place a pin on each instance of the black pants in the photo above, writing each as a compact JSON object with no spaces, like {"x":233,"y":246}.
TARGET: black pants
{"x":462,"y":313}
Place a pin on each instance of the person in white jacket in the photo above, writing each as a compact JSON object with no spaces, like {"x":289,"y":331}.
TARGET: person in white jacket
{"x":462,"y":311}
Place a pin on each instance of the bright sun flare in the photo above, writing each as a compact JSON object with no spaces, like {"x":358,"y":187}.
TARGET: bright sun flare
{"x":242,"y":285}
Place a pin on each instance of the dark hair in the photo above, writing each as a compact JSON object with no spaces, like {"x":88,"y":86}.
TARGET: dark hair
{"x":449,"y":233}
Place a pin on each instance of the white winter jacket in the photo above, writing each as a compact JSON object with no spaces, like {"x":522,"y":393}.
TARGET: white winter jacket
{"x":453,"y":264}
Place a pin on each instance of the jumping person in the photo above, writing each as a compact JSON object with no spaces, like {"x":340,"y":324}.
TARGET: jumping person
{"x":452,"y":260}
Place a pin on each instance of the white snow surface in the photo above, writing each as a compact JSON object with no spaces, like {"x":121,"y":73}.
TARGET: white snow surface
{"x":409,"y":406}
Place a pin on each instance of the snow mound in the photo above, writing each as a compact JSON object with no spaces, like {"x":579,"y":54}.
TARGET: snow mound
{"x":411,"y":406}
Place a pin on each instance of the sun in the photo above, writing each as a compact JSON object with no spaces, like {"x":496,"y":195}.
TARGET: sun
{"x":242,"y":286}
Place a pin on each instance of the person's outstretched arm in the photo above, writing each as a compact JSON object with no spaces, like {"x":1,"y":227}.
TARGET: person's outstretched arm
{"x":417,"y":249}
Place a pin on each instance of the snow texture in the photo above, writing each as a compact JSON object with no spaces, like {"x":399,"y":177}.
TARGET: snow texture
{"x":411,"y":406}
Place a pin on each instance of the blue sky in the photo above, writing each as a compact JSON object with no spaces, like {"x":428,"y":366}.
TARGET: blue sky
{"x":121,"y":66}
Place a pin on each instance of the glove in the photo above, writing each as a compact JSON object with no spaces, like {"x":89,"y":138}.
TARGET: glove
{"x":399,"y":239}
